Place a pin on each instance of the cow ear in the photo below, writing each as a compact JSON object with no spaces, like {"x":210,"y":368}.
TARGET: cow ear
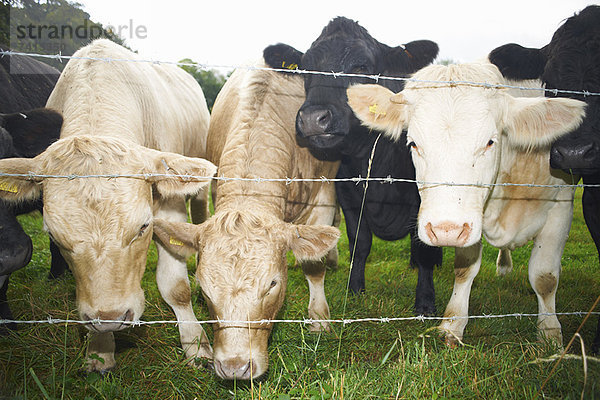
{"x":517,"y":62}
{"x":17,"y":189}
{"x":539,"y":121}
{"x":198,"y":173}
{"x":282,"y":56}
{"x":379,"y":108}
{"x":311,"y":242}
{"x":412,"y":56}
{"x":179,"y":238}
{"x":33,"y":131}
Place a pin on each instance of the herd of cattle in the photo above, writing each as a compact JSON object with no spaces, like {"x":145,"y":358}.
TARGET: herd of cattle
{"x":150,"y":121}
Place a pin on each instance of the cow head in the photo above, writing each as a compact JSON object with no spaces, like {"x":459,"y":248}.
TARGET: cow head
{"x":21,"y":135}
{"x":325,"y":124}
{"x":456,"y":134}
{"x":569,"y":62}
{"x":242,"y":270}
{"x":102,"y":226}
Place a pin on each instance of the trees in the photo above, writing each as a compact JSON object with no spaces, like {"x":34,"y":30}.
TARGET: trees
{"x":211,"y":81}
{"x":49,"y":27}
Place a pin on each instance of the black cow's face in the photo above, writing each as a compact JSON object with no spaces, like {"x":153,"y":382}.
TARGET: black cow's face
{"x":325,"y":123}
{"x":325,"y":120}
{"x":573,"y":59}
{"x":569,"y":62}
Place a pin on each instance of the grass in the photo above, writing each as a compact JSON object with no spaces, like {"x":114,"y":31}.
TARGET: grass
{"x":500,"y":359}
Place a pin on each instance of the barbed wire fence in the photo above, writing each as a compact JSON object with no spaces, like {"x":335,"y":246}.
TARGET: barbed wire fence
{"x":357,"y":180}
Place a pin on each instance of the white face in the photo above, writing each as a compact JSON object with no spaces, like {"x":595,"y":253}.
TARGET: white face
{"x":456,"y":133}
{"x":453,"y":139}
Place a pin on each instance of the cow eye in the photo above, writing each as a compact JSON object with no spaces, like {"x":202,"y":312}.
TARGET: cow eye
{"x":490,"y":143}
{"x":143,"y":228}
{"x":273,"y":284}
{"x":412,"y":145}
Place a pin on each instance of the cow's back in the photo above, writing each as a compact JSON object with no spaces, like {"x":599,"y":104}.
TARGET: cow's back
{"x":155,"y":105}
{"x":25,"y":83}
{"x":252,"y":135}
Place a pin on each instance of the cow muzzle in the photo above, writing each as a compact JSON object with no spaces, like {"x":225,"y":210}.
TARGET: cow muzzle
{"x":448,"y":234}
{"x":117,"y":321}
{"x":237,"y":368}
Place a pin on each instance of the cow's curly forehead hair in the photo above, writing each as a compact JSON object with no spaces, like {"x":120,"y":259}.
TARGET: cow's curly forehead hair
{"x":89,"y":155}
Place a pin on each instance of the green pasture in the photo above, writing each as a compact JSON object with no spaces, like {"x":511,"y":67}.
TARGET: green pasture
{"x":500,"y":359}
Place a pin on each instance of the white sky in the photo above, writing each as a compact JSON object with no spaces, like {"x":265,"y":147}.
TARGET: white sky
{"x":234,"y":32}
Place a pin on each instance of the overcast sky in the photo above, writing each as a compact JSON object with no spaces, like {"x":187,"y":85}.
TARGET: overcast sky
{"x":233,"y":32}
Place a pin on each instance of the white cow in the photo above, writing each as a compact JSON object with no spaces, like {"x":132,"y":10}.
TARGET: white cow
{"x":120,"y":118}
{"x":480,"y":136}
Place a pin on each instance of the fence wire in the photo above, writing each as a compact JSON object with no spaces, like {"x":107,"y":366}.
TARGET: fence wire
{"x":376,"y":78}
{"x":307,"y":321}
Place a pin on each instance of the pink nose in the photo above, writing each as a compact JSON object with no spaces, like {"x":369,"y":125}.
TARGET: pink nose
{"x":236,"y":368}
{"x":118,"y":317}
{"x":448,"y":234}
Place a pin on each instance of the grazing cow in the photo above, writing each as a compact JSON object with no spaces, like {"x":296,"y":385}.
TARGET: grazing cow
{"x":25,"y":84}
{"x":242,"y":265}
{"x":120,"y":118}
{"x":479,"y":137}
{"x":571,"y":61}
{"x":327,"y":126}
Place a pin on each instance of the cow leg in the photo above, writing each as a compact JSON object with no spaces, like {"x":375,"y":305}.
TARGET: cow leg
{"x":101,"y":352}
{"x":5,"y":312}
{"x":467,"y":261}
{"x":331,"y":260}
{"x":314,"y":271}
{"x":199,"y":206}
{"x":504,"y":263}
{"x":58,"y":265}
{"x":591,"y":213}
{"x":544,"y":267}
{"x":327,"y":213}
{"x":425,"y":258}
{"x":174,"y":286}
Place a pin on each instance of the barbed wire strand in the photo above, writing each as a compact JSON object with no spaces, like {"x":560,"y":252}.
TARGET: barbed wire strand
{"x":34,"y":176}
{"x":306,"y":321}
{"x":59,"y":57}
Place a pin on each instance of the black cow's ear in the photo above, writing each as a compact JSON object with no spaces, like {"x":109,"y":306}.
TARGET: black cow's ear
{"x":33,"y":131}
{"x":282,"y":56}
{"x":412,"y":56}
{"x":518,"y":62}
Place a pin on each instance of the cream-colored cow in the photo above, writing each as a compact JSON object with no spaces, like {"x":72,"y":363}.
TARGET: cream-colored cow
{"x":120,"y":118}
{"x":475,"y":136}
{"x":242,"y":265}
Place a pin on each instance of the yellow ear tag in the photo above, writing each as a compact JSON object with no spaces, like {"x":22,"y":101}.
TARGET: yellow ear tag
{"x":289,"y":66}
{"x":374,"y":109}
{"x":175,"y":242}
{"x":7,"y":187}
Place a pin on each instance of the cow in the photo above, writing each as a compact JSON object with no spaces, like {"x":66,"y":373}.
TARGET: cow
{"x":242,"y":267}
{"x":569,"y":62}
{"x":326,"y":125}
{"x":130,"y":119}
{"x":481,"y":138}
{"x":25,"y":131}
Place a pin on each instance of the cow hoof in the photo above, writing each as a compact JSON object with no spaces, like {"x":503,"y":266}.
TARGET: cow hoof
{"x":452,"y":341}
{"x":101,"y":365}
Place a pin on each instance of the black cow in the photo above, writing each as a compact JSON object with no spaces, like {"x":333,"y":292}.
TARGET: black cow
{"x":24,"y":84}
{"x":571,"y":61}
{"x":327,"y":126}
